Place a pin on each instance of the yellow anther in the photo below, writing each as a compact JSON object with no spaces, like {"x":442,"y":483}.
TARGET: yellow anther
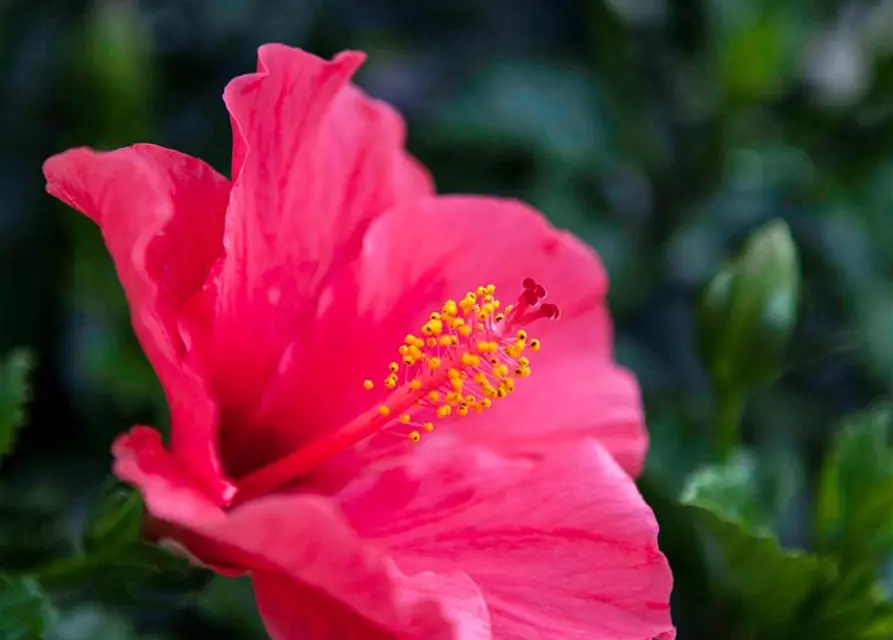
{"x":471,"y":296}
{"x":409,"y":339}
{"x":535,"y":345}
{"x":471,"y":360}
{"x":501,"y":392}
{"x":508,"y":383}
{"x":368,"y":385}
{"x":384,"y":410}
{"x":453,"y":398}
{"x":450,"y":308}
{"x":462,"y":410}
{"x":434,"y":316}
{"x":525,"y":372}
{"x":444,"y":411}
{"x":434,"y":396}
{"x":521,"y":335}
{"x":433,"y":328}
{"x":403,"y":350}
{"x":454,"y":373}
{"x":524,"y":362}
{"x":428,"y":426}
{"x":470,"y":399}
{"x":464,"y":331}
{"x":446,"y":341}
{"x":509,"y":308}
{"x":415,"y":436}
{"x":480,"y":377}
{"x":456,"y":384}
{"x":490,"y":289}
{"x":431,"y":342}
{"x":486,"y":403}
{"x":499,"y":317}
{"x":481,"y":291}
{"x":405,"y":418}
{"x":500,"y":371}
{"x":433,"y":363}
{"x":515,"y":350}
{"x":393,"y":367}
{"x":391,"y":382}
{"x":408,"y":360}
{"x":415,"y":384}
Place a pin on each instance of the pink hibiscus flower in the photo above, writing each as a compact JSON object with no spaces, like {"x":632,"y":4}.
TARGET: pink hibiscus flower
{"x":314,"y":319}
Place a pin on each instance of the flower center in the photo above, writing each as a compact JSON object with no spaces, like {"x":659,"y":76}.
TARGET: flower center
{"x":468,"y":356}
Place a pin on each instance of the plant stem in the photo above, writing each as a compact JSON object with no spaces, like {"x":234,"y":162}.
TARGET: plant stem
{"x":729,"y":414}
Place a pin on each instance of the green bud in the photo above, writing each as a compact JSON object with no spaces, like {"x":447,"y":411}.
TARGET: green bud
{"x":747,"y":312}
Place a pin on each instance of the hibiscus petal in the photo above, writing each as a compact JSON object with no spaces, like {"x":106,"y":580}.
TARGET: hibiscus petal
{"x":564,"y":548}
{"x":161,"y":215}
{"x":565,"y":401}
{"x":294,"y":611}
{"x":312,"y":573}
{"x":169,"y":490}
{"x":315,"y":160}
{"x":303,"y":539}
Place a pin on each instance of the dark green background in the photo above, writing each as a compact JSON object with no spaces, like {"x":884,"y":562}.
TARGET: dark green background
{"x":660,"y":131}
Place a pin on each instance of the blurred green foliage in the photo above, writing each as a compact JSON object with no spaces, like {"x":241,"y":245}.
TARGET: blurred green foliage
{"x":14,"y":395}
{"x":663,"y":132}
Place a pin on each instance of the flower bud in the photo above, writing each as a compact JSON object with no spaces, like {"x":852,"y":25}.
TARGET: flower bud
{"x":748,"y":310}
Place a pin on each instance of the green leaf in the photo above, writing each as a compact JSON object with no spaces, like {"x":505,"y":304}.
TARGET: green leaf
{"x":25,"y":612}
{"x":855,"y":501}
{"x":765,"y":585}
{"x":852,"y":606}
{"x":750,"y":488}
{"x":114,"y":564}
{"x":115,"y":521}
{"x":139,"y":572}
{"x":729,"y":491}
{"x":767,"y":591}
{"x":14,"y":395}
